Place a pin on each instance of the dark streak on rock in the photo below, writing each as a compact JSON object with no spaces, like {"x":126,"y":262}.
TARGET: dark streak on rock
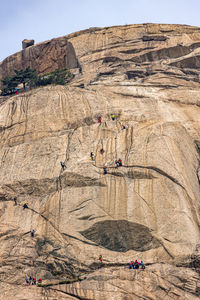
{"x":121,"y":236}
{"x":156,"y":38}
{"x":75,"y":238}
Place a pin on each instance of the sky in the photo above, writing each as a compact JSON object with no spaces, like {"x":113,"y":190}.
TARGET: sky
{"x":42,"y":20}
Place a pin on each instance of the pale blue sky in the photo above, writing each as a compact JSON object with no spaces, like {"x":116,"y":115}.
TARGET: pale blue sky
{"x":45,"y":19}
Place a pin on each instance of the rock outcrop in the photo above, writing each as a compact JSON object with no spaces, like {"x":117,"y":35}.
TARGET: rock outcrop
{"x":148,"y":76}
{"x":44,"y":58}
{"x":27,"y":43}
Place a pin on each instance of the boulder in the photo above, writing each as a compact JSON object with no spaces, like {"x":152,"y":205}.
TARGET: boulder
{"x":27,"y":43}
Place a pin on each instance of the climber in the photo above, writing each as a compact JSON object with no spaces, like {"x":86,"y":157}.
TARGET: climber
{"x":32,"y":231}
{"x":131,"y":265}
{"x":105,"y":170}
{"x":26,"y":278}
{"x":34,"y":281}
{"x":63,"y":165}
{"x":16,"y":91}
{"x":136,"y":265}
{"x":30,"y":280}
{"x":142,"y":265}
{"x":123,"y":127}
{"x":102,"y":151}
{"x":15,"y":200}
{"x":92,"y":155}
{"x":120,"y":162}
{"x":99,"y":119}
{"x":100,"y":258}
{"x":25,"y":205}
{"x":39,"y":280}
{"x":113,"y":117}
{"x":117,"y":163}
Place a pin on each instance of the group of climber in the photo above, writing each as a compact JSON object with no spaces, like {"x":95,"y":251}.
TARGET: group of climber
{"x":32,"y":280}
{"x":136,"y":265}
{"x":15,"y":203}
{"x":92,"y":154}
{"x":113,"y":117}
{"x":118,"y":164}
{"x":132,"y":265}
{"x":29,"y":280}
{"x":25,"y":205}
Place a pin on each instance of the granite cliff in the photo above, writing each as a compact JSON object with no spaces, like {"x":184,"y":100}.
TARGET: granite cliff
{"x":148,"y":76}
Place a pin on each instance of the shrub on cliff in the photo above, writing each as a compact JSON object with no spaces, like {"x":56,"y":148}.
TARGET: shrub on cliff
{"x":59,"y":76}
{"x":28,"y":77}
{"x":25,"y":76}
{"x":8,"y":85}
{"x":21,"y":76}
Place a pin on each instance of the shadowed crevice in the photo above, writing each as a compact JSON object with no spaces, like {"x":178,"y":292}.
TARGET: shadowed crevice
{"x":134,"y":174}
{"x":75,"y":238}
{"x":163,"y":53}
{"x":156,"y":38}
{"x":189,"y":62}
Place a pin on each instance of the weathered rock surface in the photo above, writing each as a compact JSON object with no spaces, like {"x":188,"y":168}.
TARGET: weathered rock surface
{"x":148,"y":76}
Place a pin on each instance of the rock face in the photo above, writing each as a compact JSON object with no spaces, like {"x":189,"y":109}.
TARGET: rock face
{"x":148,"y":77}
{"x":44,"y":57}
{"x":27,"y":43}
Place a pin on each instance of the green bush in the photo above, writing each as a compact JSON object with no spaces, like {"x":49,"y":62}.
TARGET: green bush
{"x":56,"y":77}
{"x":22,"y":76}
{"x":30,"y":78}
{"x":25,"y":76}
{"x":9,"y":85}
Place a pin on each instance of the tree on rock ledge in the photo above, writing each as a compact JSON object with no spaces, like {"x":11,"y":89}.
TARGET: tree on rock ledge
{"x":21,"y":76}
{"x":29,"y":77}
{"x":25,"y":76}
{"x":9,"y":85}
{"x":59,"y":76}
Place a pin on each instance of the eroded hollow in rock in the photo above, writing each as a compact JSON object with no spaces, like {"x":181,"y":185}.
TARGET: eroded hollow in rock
{"x":121,"y":236}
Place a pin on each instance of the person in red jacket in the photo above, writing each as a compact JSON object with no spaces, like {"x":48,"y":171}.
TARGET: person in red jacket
{"x":131,"y":265}
{"x":39,"y":280}
{"x":99,"y":119}
{"x":136,"y":264}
